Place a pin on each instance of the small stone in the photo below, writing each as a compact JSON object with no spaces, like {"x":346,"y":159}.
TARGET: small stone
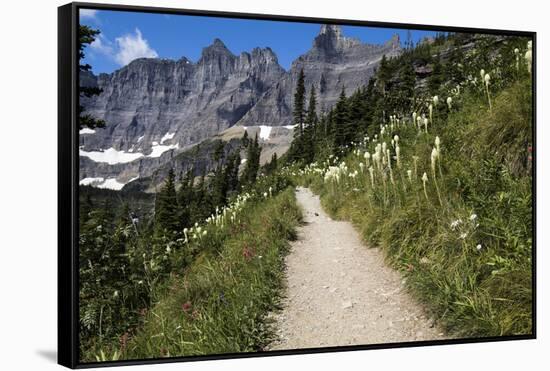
{"x":347,"y":304}
{"x":325,"y":287}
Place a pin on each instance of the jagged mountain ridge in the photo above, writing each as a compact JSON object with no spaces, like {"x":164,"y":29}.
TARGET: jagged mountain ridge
{"x":155,"y":108}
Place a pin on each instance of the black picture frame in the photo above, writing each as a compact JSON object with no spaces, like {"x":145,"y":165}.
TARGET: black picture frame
{"x":68,"y":170}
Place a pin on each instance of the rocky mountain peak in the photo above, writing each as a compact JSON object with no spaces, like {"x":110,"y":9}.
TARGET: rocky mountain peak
{"x":216,"y":49}
{"x":394,"y":42}
{"x":332,"y":30}
{"x":331,"y":40}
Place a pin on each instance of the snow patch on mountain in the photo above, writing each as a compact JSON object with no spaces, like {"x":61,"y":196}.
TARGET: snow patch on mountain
{"x":111,"y":156}
{"x":167,"y":136}
{"x":86,"y":131}
{"x":159,"y":149}
{"x":265,"y":131}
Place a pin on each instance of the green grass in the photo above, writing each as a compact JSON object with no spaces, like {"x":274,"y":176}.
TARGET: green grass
{"x":484,"y":170}
{"x":219,"y":304}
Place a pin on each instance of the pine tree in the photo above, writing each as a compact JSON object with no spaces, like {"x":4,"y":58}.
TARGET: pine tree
{"x":85,"y":207}
{"x":308,"y":140}
{"x":232,"y":172}
{"x":244,"y":140}
{"x":436,"y":78}
{"x":185,"y":197}
{"x":252,"y":163}
{"x":406,"y":97}
{"x":299,"y":104}
{"x":166,"y":211}
{"x":86,"y":36}
{"x":340,"y":120}
{"x":273,"y":163}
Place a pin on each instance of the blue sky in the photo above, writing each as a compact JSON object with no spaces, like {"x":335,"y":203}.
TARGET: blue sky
{"x":129,"y":35}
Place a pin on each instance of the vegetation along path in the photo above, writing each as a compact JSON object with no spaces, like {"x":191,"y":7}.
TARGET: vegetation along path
{"x":340,"y":292}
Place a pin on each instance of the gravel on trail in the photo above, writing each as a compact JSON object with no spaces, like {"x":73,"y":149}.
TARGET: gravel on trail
{"x":340,"y":292}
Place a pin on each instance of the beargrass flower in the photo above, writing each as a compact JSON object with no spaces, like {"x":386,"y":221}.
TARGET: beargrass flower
{"x":371,"y":173}
{"x":449,"y":102}
{"x":434,"y":156}
{"x":409,"y":175}
{"x":426,"y":124}
{"x":431,"y":110}
{"x":424,"y":181}
{"x":436,"y":100}
{"x":455,"y":224}
{"x":437,"y":143}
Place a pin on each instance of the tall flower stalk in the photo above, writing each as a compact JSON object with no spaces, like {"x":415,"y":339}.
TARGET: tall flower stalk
{"x":434,"y":160}
{"x":487,"y":81}
{"x":424,"y":181}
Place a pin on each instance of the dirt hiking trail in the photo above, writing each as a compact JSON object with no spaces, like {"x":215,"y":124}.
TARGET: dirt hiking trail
{"x":339,"y":292}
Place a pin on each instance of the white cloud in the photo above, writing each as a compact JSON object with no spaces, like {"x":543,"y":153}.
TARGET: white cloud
{"x":102,"y":45}
{"x":132,"y":46}
{"x":88,"y":13}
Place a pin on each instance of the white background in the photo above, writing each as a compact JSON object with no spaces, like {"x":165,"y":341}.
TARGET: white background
{"x":28,"y":155}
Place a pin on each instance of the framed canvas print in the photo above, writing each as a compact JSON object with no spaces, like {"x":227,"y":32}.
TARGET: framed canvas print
{"x":236,"y":185}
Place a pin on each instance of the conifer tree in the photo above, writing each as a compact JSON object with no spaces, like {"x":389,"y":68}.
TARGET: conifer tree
{"x":245,"y":140}
{"x":166,"y":211}
{"x":299,"y":104}
{"x":86,"y":36}
{"x":308,"y":140}
{"x":340,"y":119}
{"x":252,"y":163}
{"x":434,"y":82}
{"x":232,"y":172}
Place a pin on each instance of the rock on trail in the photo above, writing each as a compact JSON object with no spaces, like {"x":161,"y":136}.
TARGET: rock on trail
{"x":339,"y":292}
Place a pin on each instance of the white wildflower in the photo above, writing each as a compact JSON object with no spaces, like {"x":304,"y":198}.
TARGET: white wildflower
{"x":449,"y":102}
{"x":425,"y":177}
{"x":455,"y":224}
{"x":478,"y":247}
{"x":434,"y":156}
{"x":436,"y":100}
